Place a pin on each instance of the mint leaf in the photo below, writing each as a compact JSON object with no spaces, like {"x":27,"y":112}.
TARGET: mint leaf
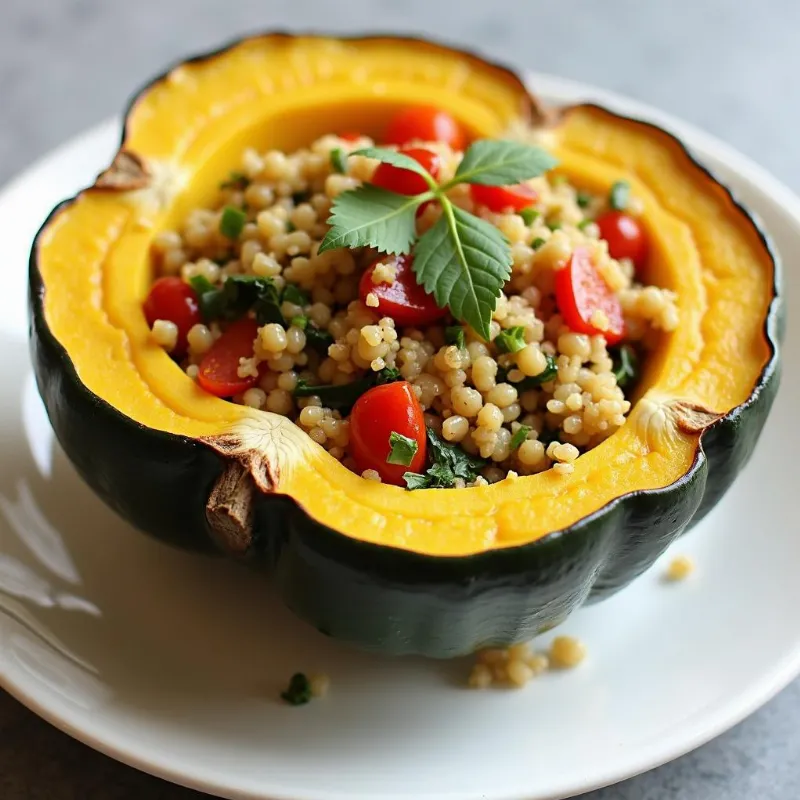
{"x":620,"y":195}
{"x":520,"y":436}
{"x":403,"y":449}
{"x":511,"y":340}
{"x":494,"y":162}
{"x":372,"y":217}
{"x":463,"y":261}
{"x":395,"y":159}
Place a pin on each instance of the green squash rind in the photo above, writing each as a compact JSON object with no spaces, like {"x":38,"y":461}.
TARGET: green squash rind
{"x":379,"y":597}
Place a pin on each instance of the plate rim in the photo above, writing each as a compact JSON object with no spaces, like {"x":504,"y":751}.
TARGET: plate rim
{"x":735,"y":710}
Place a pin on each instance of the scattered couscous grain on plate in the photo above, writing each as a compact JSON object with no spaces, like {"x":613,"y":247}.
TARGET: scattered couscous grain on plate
{"x":278,"y":323}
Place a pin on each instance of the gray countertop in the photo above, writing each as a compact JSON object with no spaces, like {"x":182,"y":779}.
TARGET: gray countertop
{"x":730,"y":68}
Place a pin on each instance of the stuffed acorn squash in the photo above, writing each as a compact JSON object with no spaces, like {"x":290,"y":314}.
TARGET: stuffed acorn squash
{"x":436,"y":571}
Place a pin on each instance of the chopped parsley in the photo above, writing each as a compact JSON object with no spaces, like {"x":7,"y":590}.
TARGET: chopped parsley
{"x":318,"y":339}
{"x":290,"y":226}
{"x":338,"y":160}
{"x":520,"y":436}
{"x":403,"y":449}
{"x":584,"y":223}
{"x":238,"y":295}
{"x":232,"y":222}
{"x":530,"y":382}
{"x":537,"y":242}
{"x":342,"y":397}
{"x":583,"y":199}
{"x":511,"y":340}
{"x":554,"y":226}
{"x":529,"y":215}
{"x":454,"y":334}
{"x":448,"y":462}
{"x":292,"y":293}
{"x":299,"y":322}
{"x":298,"y":692}
{"x":619,"y":196}
{"x":626,"y":365}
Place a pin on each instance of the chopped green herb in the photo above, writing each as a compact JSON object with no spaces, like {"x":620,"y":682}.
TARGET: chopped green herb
{"x":403,"y":449}
{"x":549,"y":435}
{"x":583,"y":199}
{"x":626,"y":365}
{"x":462,"y":260}
{"x":240,"y":294}
{"x":292,"y":293}
{"x":342,"y":397}
{"x":554,"y":226}
{"x":201,"y":284}
{"x":298,"y":692}
{"x":454,"y":334}
{"x":619,"y":196}
{"x":318,"y":339}
{"x":414,"y":480}
{"x":448,"y":462}
{"x":533,"y":382}
{"x":584,"y":223}
{"x":301,"y":197}
{"x":537,"y":242}
{"x":299,"y":322}
{"x":529,"y":215}
{"x":235,"y":180}
{"x":339,"y":160}
{"x":520,"y":436}
{"x":290,"y":226}
{"x":511,"y":340}
{"x":232,"y":222}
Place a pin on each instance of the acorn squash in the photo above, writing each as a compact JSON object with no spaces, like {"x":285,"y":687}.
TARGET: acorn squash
{"x":439,"y":572}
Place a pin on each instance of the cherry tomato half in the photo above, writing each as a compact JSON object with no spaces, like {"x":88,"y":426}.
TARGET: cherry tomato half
{"x":405,"y":181}
{"x":219,"y":368}
{"x":625,"y":236}
{"x":426,"y":123}
{"x":404,"y":300}
{"x":581,"y":291}
{"x":504,"y":198}
{"x":172,"y":299}
{"x":378,"y":412}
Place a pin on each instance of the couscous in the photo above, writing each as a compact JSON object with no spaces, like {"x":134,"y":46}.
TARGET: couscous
{"x":349,"y":345}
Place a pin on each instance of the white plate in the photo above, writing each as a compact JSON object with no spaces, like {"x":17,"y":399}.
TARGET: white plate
{"x":173,"y":663}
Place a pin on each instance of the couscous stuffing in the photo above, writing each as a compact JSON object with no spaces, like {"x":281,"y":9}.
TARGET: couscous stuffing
{"x":345,"y":342}
{"x":515,"y":666}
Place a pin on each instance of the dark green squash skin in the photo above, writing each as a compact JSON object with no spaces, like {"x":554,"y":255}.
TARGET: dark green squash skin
{"x":377,"y":597}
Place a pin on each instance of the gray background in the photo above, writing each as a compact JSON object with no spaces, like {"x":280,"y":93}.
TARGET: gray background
{"x":729,"y":66}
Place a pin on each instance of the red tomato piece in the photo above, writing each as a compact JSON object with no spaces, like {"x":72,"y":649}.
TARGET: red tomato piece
{"x":426,"y":123}
{"x":172,"y":299}
{"x":504,"y":198}
{"x":625,"y":236}
{"x":404,"y":300}
{"x":218,"y":373}
{"x":581,"y":291}
{"x":350,"y":136}
{"x":378,"y":412}
{"x":405,"y":181}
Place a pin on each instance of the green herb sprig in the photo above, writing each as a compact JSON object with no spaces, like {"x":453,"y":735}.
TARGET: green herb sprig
{"x":462,"y":260}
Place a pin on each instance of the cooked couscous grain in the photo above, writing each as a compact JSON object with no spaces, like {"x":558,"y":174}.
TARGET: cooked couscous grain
{"x":680,"y":568}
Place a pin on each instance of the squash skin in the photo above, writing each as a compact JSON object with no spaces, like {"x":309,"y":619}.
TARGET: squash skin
{"x":384,"y":598}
